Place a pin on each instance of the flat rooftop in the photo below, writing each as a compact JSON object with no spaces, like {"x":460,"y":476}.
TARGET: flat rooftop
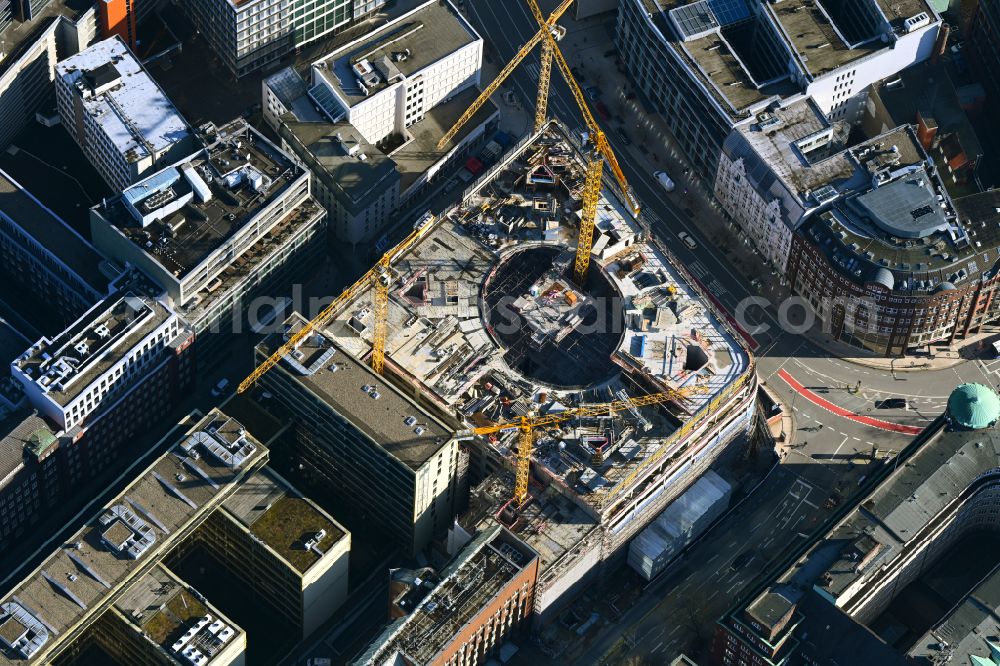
{"x":279,"y":516}
{"x":956,"y":251}
{"x":717,"y":61}
{"x":969,"y":630}
{"x":123,"y":99}
{"x":770,"y":147}
{"x":890,"y":521}
{"x":418,"y":155}
{"x":814,"y":37}
{"x":362,"y":180}
{"x":165,"y":610}
{"x":23,"y":434}
{"x":897,"y":11}
{"x":827,"y":633}
{"x":927,"y":89}
{"x":425,"y":36}
{"x":479,"y":573}
{"x":376,"y":407}
{"x":85,"y":573}
{"x":50,"y":231}
{"x":70,"y":362}
{"x":182,"y":214}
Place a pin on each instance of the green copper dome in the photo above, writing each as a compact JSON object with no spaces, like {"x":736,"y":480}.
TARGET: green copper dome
{"x":974,"y":406}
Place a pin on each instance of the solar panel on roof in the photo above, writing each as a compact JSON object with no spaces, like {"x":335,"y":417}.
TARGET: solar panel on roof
{"x":694,"y":19}
{"x":729,"y":11}
{"x":705,"y":15}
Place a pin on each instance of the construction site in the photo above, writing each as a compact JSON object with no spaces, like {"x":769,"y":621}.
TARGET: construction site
{"x":585,"y":408}
{"x":587,"y":378}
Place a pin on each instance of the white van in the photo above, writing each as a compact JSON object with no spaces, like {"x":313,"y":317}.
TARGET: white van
{"x":664,"y":179}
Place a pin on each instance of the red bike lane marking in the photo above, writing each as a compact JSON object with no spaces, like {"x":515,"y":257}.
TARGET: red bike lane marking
{"x":840,"y":411}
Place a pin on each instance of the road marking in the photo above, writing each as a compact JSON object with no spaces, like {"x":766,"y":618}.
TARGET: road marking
{"x":805,"y":501}
{"x":716,"y":288}
{"x":840,"y":411}
{"x":698,"y":269}
{"x":658,"y":646}
{"x":841,"y":446}
{"x":734,"y":586}
{"x":712,"y":558}
{"x":836,"y":382}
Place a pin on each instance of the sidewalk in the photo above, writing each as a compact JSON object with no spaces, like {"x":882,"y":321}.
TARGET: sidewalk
{"x":941,"y":357}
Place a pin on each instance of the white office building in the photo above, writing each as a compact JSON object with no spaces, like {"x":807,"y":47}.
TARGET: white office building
{"x":218,"y":228}
{"x":710,"y":65}
{"x":368,"y":122}
{"x":116,"y":344}
{"x":387,"y":80}
{"x":118,"y":115}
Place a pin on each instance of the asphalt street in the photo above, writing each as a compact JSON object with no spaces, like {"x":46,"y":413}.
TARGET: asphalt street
{"x":678,"y":607}
{"x":829,"y":449}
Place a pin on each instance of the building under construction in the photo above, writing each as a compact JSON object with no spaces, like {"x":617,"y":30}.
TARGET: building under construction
{"x":485,"y":325}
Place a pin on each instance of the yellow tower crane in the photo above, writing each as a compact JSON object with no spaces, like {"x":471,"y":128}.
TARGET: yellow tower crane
{"x":595,"y":166}
{"x":380,"y":278}
{"x":526,"y":425}
{"x":544,"y":73}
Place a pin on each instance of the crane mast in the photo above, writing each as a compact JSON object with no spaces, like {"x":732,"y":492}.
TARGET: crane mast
{"x":379,"y":277}
{"x":602,"y":152}
{"x":543,"y":77}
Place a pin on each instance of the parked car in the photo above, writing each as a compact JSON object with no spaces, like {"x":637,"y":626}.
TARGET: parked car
{"x":624,"y":137}
{"x":687,"y":240}
{"x":593,"y":93}
{"x":743,"y":559}
{"x":892,"y":403}
{"x":220,"y":387}
{"x":603,"y":112}
{"x":664,"y":179}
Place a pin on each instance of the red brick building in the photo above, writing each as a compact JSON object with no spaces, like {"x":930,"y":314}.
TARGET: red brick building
{"x":890,"y":294}
{"x":485,"y":596}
